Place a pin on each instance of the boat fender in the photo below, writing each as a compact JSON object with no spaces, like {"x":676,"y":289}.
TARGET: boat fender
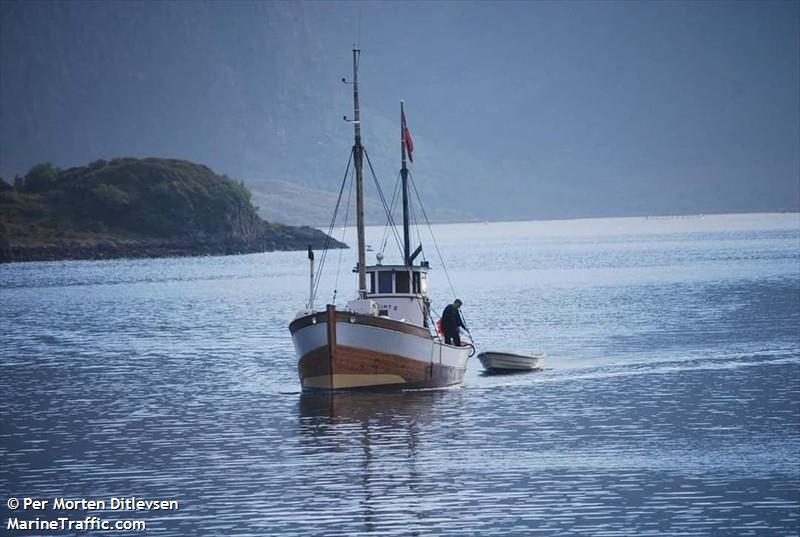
{"x":439,"y":328}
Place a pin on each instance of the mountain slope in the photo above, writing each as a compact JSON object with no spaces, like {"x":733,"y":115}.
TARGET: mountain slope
{"x":529,"y":110}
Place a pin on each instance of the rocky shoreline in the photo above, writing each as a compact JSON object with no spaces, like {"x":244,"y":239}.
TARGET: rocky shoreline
{"x":136,"y":249}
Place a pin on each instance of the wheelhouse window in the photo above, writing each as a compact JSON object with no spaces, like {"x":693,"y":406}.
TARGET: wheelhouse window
{"x":384,"y":281}
{"x":416,"y":282}
{"x":401,"y":282}
{"x":371,"y":282}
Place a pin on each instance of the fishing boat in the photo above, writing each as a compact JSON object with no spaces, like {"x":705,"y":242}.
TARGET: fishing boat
{"x":494,"y":361}
{"x":383,"y":338}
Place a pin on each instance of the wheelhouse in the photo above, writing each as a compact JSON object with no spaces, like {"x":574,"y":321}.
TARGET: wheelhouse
{"x":389,"y":280}
{"x":400,"y":291}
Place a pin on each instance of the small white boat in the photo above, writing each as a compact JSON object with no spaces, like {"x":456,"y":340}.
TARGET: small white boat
{"x":508,"y":361}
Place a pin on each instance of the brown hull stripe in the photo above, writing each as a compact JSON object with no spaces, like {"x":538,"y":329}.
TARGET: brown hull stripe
{"x":350,"y":361}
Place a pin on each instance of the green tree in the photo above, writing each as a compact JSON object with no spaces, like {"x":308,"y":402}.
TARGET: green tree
{"x":41,"y":177}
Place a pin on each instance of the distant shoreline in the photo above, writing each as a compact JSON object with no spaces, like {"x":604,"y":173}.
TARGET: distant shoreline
{"x":645,"y":217}
{"x":111,"y":248}
{"x":141,"y":249}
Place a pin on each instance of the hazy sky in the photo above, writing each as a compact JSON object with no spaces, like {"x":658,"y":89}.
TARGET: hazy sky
{"x":692,"y":105}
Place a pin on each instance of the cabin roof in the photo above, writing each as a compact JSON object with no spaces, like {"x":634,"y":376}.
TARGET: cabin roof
{"x":415,"y":268}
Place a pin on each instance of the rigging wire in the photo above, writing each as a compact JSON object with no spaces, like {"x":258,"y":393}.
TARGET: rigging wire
{"x":395,"y":198}
{"x":431,"y":311}
{"x":416,"y":229}
{"x":441,"y":258}
{"x":385,"y":237}
{"x":383,"y":201}
{"x":433,"y":237}
{"x":413,"y":221}
{"x":344,"y":232}
{"x":330,"y":228}
{"x":422,"y":251}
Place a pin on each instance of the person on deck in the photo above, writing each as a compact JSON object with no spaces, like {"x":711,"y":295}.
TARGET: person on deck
{"x":451,"y":322}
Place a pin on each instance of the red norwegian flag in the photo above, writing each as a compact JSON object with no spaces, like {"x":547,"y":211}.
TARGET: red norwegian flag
{"x":407,"y":136}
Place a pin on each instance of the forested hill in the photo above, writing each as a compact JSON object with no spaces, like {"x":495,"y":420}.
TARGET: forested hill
{"x":131,"y":207}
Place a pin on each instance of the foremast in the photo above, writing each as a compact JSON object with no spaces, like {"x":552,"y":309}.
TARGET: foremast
{"x":406,"y":147}
{"x":358,"y":157}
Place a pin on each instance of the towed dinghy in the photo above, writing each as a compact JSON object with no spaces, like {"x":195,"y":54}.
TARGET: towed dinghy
{"x":494,"y":361}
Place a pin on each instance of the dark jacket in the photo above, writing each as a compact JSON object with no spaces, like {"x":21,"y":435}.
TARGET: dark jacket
{"x":451,"y":320}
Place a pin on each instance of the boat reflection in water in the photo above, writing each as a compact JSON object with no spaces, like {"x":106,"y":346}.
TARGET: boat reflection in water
{"x":382,"y":443}
{"x":388,"y":409}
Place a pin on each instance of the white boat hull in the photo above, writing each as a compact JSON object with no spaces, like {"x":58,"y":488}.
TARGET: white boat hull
{"x":368,"y":353}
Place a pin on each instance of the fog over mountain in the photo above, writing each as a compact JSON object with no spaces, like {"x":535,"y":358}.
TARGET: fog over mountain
{"x":519,"y":110}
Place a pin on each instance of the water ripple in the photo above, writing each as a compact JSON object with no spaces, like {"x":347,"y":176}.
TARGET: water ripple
{"x":667,"y":406}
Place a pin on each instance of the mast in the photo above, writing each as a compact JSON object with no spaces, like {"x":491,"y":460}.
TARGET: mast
{"x":404,"y":176}
{"x":358,"y":152}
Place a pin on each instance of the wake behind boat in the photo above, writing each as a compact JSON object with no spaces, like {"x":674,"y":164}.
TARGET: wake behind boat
{"x":382,"y":338}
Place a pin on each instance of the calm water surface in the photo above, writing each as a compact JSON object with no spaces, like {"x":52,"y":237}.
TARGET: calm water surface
{"x":670,"y":404}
